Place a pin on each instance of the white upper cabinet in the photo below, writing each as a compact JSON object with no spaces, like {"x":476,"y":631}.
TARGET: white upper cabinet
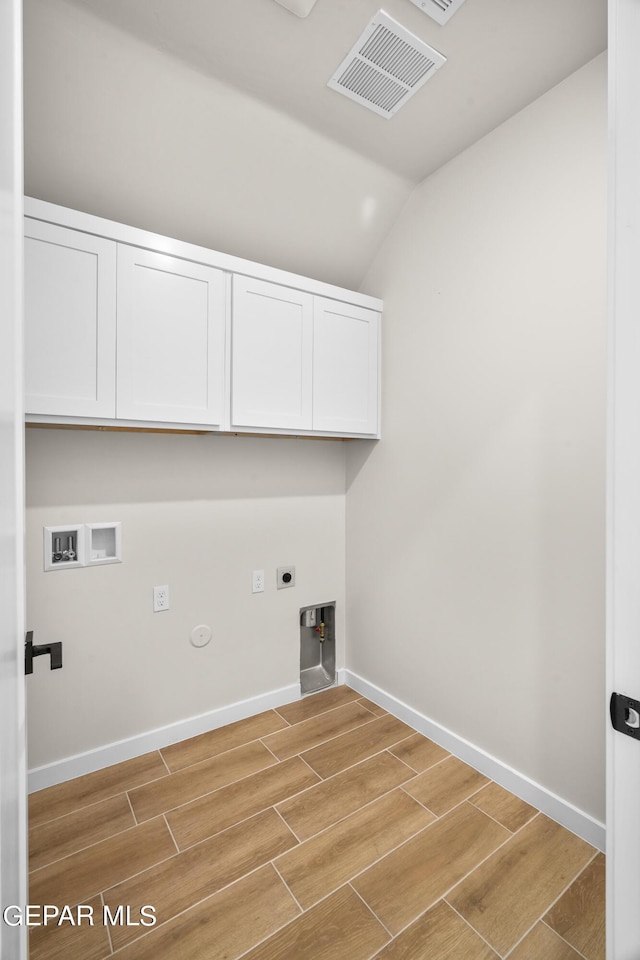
{"x":345,"y":368}
{"x":271,"y":356}
{"x":171,"y":339}
{"x":128,"y":327}
{"x":70,"y":322}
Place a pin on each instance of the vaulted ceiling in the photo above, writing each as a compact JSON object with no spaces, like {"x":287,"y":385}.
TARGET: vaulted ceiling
{"x":501,"y":55}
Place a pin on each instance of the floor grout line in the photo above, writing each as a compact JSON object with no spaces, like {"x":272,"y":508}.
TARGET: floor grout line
{"x":372,"y":912}
{"x":288,"y":826}
{"x":102,"y":901}
{"x":163,"y":759}
{"x":564,"y":940}
{"x":267,"y":747}
{"x":416,"y":773}
{"x":499,"y":822}
{"x":164,"y":817}
{"x":469,"y":925}
{"x":133,"y":813}
{"x":289,"y":890}
{"x":284,"y":719}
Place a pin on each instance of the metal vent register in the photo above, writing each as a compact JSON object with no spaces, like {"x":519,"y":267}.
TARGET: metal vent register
{"x":440,"y":10}
{"x":385,"y":66}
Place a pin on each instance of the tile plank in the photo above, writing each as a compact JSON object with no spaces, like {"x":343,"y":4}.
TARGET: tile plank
{"x":579,"y":914}
{"x":315,"y":868}
{"x":82,"y":875}
{"x":63,"y":798}
{"x":332,"y":800}
{"x":309,"y":733}
{"x":202,"y":870}
{"x":505,"y":807}
{"x":204,"y":817}
{"x":81,"y":941}
{"x":350,"y":748}
{"x":444,"y":786}
{"x":419,"y":752}
{"x":504,"y":897}
{"x":210,"y":744}
{"x":317,"y":703}
{"x":198,"y":780}
{"x":222,"y":927}
{"x":440,"y":934}
{"x":339,"y":927}
{"x":58,"y":838}
{"x":543,"y":944}
{"x":410,"y":879}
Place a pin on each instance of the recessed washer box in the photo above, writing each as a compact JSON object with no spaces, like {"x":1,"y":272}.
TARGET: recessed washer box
{"x":104,"y":543}
{"x":64,"y":546}
{"x":71,"y":545}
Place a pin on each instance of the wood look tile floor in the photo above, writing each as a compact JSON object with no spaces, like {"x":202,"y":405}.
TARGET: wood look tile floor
{"x":324,"y":830}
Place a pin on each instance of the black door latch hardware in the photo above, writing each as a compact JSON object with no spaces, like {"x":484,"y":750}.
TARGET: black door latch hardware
{"x":625,"y":715}
{"x":31,"y":651}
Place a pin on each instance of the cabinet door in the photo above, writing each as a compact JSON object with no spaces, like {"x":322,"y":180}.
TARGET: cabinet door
{"x":345,"y":368}
{"x":70,"y":322}
{"x":171,"y":329}
{"x":271,"y":344}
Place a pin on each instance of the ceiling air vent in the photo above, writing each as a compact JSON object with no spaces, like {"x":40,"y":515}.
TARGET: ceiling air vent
{"x":385,"y":66}
{"x":440,"y":10}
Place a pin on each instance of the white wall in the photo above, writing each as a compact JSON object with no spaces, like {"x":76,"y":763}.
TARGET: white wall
{"x":118,"y":129}
{"x":475,"y":529}
{"x":121,"y":130}
{"x":198,"y":514}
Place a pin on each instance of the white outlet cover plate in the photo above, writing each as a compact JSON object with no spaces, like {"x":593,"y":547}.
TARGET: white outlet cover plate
{"x":257,"y":581}
{"x":160,"y":599}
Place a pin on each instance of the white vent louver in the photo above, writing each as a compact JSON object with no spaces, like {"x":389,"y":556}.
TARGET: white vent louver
{"x":385,"y":66}
{"x":440,"y":10}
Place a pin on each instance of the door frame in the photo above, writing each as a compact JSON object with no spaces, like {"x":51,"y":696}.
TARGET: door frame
{"x":13,"y":807}
{"x":623,"y":467}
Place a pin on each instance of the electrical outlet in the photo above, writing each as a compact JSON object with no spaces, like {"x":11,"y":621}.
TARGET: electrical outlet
{"x":160,"y":599}
{"x":286,"y":577}
{"x":258,"y":581}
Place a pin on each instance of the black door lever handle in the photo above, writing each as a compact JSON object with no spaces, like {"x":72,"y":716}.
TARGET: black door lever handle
{"x":31,"y":651}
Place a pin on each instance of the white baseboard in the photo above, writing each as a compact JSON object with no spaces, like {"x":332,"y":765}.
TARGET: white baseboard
{"x":574,"y":819}
{"x":105,"y":756}
{"x":538,"y":796}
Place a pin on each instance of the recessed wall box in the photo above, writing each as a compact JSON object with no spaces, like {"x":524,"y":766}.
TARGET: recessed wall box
{"x":64,"y":546}
{"x":104,"y":543}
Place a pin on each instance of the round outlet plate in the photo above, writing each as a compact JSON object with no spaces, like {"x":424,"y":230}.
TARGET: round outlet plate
{"x":200,"y":635}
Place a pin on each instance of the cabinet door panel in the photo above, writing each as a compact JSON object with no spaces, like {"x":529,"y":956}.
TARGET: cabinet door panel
{"x":345,"y":368}
{"x":272,"y":334}
{"x":170,"y":339}
{"x":70,"y":322}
